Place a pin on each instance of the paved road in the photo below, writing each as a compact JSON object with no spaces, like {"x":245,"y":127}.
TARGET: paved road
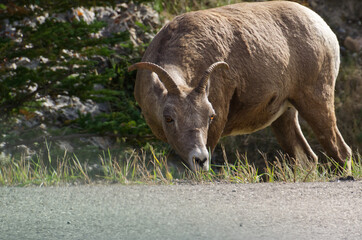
{"x":219,"y":211}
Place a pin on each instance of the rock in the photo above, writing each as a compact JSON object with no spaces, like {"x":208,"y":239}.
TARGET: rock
{"x":64,"y":145}
{"x":43,"y":59}
{"x":101,"y":142}
{"x":353,"y":44}
{"x":13,"y":66}
{"x":26,"y":62}
{"x":341,"y":31}
{"x":70,"y":107}
{"x":81,"y":13}
{"x":3,"y":156}
{"x":313,"y":4}
{"x":104,"y":13}
{"x":26,"y":151}
{"x":41,"y":19}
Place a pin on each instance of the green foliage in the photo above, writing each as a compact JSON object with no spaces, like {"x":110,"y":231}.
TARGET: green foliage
{"x":68,"y":60}
{"x":16,"y":9}
{"x":61,"y":73}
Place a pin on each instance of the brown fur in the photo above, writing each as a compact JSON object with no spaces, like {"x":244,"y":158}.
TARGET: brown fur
{"x":283,"y":59}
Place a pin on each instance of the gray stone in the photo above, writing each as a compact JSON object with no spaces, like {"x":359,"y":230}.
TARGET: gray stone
{"x":353,"y":44}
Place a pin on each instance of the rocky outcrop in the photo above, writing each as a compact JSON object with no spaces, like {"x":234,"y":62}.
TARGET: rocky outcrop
{"x":57,"y":112}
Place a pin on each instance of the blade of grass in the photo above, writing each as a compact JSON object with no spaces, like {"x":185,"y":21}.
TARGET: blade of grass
{"x":80,"y":168}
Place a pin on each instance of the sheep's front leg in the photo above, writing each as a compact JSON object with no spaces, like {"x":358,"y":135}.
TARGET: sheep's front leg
{"x":290,"y":137}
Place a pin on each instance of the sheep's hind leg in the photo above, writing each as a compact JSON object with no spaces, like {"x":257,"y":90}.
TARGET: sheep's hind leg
{"x":289,"y":135}
{"x":321,"y":117}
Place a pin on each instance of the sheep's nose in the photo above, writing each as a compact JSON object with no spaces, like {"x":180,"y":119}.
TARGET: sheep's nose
{"x":199,"y":159}
{"x":200,"y":162}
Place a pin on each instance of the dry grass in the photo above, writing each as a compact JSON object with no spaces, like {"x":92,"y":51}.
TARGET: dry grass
{"x":151,"y":167}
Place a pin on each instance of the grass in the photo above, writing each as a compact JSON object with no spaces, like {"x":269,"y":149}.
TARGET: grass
{"x":152,"y":167}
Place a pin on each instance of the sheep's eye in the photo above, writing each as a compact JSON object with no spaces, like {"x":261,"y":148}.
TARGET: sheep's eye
{"x":212,"y":117}
{"x":168,"y":119}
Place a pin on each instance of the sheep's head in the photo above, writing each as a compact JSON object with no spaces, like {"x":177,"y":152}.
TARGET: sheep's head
{"x":186,"y":115}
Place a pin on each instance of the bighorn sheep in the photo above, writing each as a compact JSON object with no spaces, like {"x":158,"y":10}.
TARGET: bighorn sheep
{"x":264,"y":63}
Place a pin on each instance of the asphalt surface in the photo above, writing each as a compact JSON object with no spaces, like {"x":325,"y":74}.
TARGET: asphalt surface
{"x":217,"y":211}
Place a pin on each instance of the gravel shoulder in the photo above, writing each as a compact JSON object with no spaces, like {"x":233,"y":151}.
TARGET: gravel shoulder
{"x":330,"y":210}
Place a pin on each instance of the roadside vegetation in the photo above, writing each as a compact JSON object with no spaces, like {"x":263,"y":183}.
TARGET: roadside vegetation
{"x":47,"y":59}
{"x":152,"y":167}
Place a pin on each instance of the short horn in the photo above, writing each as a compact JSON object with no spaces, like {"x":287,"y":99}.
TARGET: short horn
{"x":163,"y":75}
{"x":205,"y":78}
